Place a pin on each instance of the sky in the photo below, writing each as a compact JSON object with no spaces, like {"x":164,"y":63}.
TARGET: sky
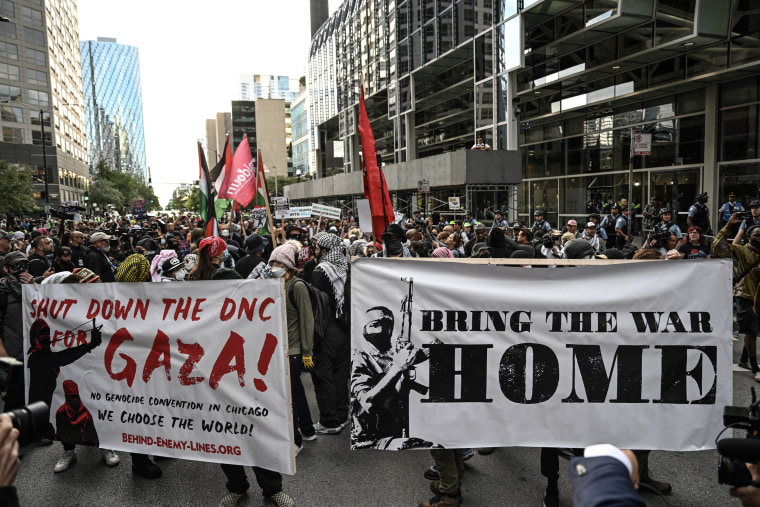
{"x":191,"y":55}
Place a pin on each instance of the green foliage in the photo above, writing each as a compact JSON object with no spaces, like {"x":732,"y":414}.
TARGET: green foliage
{"x":282,"y":181}
{"x":17,"y":195}
{"x":103,"y":192}
{"x":128,"y":186}
{"x":193,"y":201}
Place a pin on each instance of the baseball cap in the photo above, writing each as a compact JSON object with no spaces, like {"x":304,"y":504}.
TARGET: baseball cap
{"x":14,"y":258}
{"x":572,"y":222}
{"x":99,"y":236}
{"x":171,"y":264}
{"x":591,"y":225}
{"x":85,"y":275}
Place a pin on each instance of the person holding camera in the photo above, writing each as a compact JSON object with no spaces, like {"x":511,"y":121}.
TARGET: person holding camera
{"x":9,"y":461}
{"x":551,"y":248}
{"x":746,"y":277}
{"x":754,"y":210}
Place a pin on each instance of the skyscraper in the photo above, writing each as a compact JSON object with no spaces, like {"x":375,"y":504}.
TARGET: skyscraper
{"x":41,"y":96}
{"x":113,"y":105}
{"x":260,"y":86}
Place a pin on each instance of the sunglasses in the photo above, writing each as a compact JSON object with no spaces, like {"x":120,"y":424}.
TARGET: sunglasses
{"x":20,"y":267}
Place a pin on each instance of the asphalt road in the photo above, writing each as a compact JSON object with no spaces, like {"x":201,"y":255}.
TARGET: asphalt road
{"x":329,"y":474}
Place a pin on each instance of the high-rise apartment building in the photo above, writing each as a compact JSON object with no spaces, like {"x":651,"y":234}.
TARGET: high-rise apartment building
{"x":41,"y":96}
{"x":217,"y":129}
{"x":260,"y":86}
{"x":113,"y":104}
{"x":264,"y":122}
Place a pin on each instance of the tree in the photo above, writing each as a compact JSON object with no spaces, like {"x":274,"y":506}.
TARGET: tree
{"x":18,"y":191}
{"x":130,"y":187}
{"x":193,"y":201}
{"x":102,"y":193}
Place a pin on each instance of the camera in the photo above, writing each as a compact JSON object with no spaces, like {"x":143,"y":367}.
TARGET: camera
{"x":548,"y":240}
{"x":746,"y":215}
{"x":65,"y":212}
{"x":32,"y":420}
{"x":734,"y":452}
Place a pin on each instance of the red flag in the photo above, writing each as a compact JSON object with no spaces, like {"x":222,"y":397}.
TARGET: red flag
{"x":239,"y":183}
{"x":375,"y":187}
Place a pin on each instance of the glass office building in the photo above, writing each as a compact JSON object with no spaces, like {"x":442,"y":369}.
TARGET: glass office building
{"x":565,"y":82}
{"x":113,"y":102}
{"x":41,"y":92}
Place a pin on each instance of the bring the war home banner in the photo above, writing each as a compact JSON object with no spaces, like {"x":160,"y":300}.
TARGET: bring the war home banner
{"x":192,"y":370}
{"x":473,"y":355}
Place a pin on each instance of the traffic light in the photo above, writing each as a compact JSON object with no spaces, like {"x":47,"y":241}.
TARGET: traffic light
{"x":86,"y":196}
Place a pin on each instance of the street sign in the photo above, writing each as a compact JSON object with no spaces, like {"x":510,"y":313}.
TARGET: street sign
{"x":423,"y":186}
{"x":642,"y":144}
{"x":454,"y":203}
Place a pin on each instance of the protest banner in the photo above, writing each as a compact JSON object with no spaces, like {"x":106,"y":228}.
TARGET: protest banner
{"x":491,"y":356}
{"x":300,"y":212}
{"x":201,"y":376}
{"x":258,"y":218}
{"x":281,"y":207}
{"x":139,"y":209}
{"x":325,"y":211}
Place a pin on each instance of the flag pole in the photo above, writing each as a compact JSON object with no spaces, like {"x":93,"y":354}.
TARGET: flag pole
{"x":382,"y":184}
{"x":260,"y":171}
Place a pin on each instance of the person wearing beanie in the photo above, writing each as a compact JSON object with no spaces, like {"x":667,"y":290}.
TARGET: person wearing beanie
{"x":578,"y":249}
{"x":300,"y":321}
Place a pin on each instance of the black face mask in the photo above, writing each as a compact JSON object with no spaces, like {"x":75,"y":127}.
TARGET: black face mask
{"x":394,"y":247}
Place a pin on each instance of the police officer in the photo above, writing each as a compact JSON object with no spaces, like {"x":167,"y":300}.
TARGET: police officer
{"x":540,"y":224}
{"x":498,"y":220}
{"x":699,"y":214}
{"x":609,"y":226}
{"x":729,"y":208}
{"x":667,"y":225}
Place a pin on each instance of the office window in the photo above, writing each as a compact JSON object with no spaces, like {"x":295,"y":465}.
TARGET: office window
{"x":13,"y":135}
{"x":36,"y":77}
{"x":31,"y":15}
{"x":8,"y":30}
{"x":8,"y":51}
{"x":32,"y":36}
{"x":34,"y":56}
{"x":6,"y":9}
{"x":38,"y":98}
{"x":12,"y":114}
{"x":9,"y":72}
{"x":36,"y":118}
{"x":10,"y":93}
{"x":37,"y":138}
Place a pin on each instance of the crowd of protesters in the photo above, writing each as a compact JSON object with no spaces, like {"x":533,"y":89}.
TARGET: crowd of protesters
{"x":175,"y":249}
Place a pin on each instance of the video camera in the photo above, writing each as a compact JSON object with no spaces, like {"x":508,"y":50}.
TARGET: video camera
{"x":746,"y":215}
{"x":548,"y":240}
{"x":65,"y":212}
{"x":32,"y":420}
{"x":734,"y":452}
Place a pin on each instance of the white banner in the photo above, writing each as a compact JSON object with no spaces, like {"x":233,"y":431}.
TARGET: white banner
{"x":325,"y":211}
{"x":365,"y":215}
{"x":638,"y":355}
{"x":191,"y":370}
{"x":301,"y":212}
{"x":281,"y":207}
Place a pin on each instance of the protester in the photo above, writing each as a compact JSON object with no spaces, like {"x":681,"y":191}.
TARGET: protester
{"x":211,"y":254}
{"x":696,"y":247}
{"x":605,"y":475}
{"x":254,"y":246}
{"x":39,"y":264}
{"x":754,"y":208}
{"x":97,"y":260}
{"x":15,"y":274}
{"x":332,"y":353}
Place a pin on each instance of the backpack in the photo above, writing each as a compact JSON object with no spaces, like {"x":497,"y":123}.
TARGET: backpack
{"x":321,"y":306}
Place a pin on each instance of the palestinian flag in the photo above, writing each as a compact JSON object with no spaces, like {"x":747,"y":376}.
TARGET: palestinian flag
{"x":218,"y":174}
{"x":207,"y":195}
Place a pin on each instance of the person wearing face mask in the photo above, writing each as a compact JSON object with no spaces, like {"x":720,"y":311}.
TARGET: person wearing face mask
{"x":300,"y":321}
{"x":98,"y":260}
{"x":746,"y":277}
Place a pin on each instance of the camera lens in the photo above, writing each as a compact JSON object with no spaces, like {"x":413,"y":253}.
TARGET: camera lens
{"x":733,"y":472}
{"x":30,"y":421}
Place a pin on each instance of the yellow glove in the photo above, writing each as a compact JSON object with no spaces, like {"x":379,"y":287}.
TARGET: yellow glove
{"x":308,"y":362}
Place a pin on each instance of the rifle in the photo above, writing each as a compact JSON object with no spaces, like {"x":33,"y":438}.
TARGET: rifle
{"x":405,"y":338}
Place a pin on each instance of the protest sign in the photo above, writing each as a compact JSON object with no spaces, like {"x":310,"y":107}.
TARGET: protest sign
{"x":505,"y":356}
{"x":139,"y":209}
{"x":398,"y":217}
{"x":258,"y":218}
{"x":325,"y":211}
{"x":365,"y":215}
{"x":281,"y":207}
{"x":201,"y":375}
{"x":300,"y":212}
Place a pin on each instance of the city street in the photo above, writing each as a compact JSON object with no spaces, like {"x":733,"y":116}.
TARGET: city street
{"x":329,"y":474}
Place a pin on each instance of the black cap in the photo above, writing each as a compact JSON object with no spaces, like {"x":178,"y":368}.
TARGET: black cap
{"x":538,"y":213}
{"x":615,"y":206}
{"x":170,"y":265}
{"x":702,"y":196}
{"x":255,"y":243}
{"x":665,"y":210}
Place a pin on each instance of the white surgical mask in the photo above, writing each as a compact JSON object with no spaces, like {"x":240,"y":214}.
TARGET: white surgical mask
{"x":278,"y":272}
{"x":180,"y":274}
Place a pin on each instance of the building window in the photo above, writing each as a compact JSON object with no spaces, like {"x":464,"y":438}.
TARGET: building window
{"x":34,"y":56}
{"x":8,"y":30}
{"x":38,"y":98}
{"x":45,"y":118}
{"x":9,"y":72}
{"x":32,"y":36}
{"x":9,"y":51}
{"x":36,"y":77}
{"x":10,"y":93}
{"x":31,"y":15}
{"x":12,"y":114}
{"x":13,"y":135}
{"x":6,"y":8}
{"x":37,"y":138}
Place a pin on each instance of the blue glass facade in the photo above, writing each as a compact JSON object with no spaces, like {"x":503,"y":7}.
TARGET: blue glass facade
{"x":113,"y":106}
